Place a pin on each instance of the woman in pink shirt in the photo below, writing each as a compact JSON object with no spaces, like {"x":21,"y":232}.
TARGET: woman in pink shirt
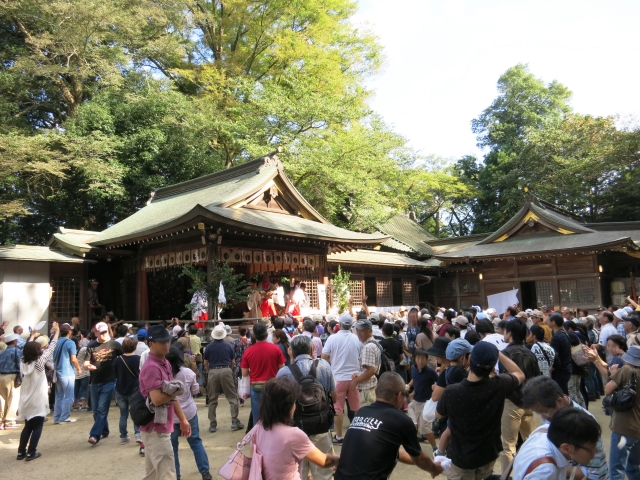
{"x":283,"y":446}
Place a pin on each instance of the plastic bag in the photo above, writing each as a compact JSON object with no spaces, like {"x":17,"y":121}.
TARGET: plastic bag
{"x":429,"y":410}
{"x":244,"y":388}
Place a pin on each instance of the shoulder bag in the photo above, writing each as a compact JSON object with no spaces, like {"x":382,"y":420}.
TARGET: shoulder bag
{"x":624,"y":398}
{"x":240,"y":467}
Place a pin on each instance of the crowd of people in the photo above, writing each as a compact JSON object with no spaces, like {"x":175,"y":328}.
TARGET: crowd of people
{"x":466,"y":383}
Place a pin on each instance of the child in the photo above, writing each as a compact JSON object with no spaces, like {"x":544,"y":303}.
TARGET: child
{"x":422,"y":379}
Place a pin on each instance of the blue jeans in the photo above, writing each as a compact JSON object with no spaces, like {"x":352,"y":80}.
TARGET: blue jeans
{"x":81,"y":390}
{"x":200,"y":375}
{"x":195,"y":442}
{"x":626,"y":460}
{"x":64,"y":398}
{"x":256,"y":401}
{"x":123,"y":403}
{"x":101,"y":394}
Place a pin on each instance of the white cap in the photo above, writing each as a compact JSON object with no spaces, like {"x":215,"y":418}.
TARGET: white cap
{"x":101,"y":327}
{"x":11,"y":337}
{"x":346,"y":319}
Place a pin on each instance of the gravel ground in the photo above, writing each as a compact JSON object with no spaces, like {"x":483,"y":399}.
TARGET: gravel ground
{"x":66,"y":453}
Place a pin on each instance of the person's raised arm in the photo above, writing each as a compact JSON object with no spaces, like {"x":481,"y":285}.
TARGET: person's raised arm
{"x":323,"y":460}
{"x":364,"y":305}
{"x":510,"y":366}
{"x":631,"y":302}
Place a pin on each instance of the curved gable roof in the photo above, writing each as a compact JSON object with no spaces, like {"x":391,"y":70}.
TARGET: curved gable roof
{"x":407,"y":232}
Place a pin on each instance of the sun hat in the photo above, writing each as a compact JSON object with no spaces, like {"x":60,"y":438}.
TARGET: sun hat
{"x":439,"y":347}
{"x":176,"y":330}
{"x":420,"y":351}
{"x":346,"y":319}
{"x":218,"y":332}
{"x":457,"y":348}
{"x":128,"y":325}
{"x":620,"y":313}
{"x":537,"y":314}
{"x":101,"y":327}
{"x":632,"y":357}
{"x":157,"y":333}
{"x":11,"y":337}
{"x":484,"y":355}
{"x":43,"y":340}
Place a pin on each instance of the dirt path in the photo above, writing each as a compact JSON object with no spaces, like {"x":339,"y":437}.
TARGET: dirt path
{"x":66,"y":453}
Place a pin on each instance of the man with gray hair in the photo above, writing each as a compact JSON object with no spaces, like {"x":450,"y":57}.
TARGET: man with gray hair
{"x":371,"y":447}
{"x":301,"y":348}
{"x":309,"y":327}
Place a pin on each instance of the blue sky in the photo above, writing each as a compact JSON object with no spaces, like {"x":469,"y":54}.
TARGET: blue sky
{"x":444,"y":57}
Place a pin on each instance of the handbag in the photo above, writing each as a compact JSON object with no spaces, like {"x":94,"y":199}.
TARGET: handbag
{"x":17,"y":381}
{"x":578,"y":355}
{"x":624,"y":398}
{"x":244,"y":388}
{"x":238,"y":465}
{"x":429,"y":410}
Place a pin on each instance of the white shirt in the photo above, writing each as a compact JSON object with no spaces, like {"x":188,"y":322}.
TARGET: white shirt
{"x":141,"y":348}
{"x":538,"y":446}
{"x":344,"y":350}
{"x":497,"y":340}
{"x":605,"y":332}
{"x":279,"y":296}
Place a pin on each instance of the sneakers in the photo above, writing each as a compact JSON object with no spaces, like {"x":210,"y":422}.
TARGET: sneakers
{"x":236,"y":425}
{"x":21,"y":456}
{"x":33,"y":456}
{"x":206,"y":476}
{"x":93,"y":440}
{"x":84,"y":409}
{"x":69,"y":420}
{"x":138,"y":438}
{"x":337,"y":441}
{"x":125,"y":440}
{"x":75,"y":409}
{"x":212,"y":429}
{"x":141,"y":452}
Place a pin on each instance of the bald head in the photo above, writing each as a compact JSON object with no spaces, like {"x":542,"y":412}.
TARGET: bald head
{"x":389,"y":385}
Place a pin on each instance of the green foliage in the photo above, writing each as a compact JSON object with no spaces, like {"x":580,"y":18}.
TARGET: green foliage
{"x":581,"y":163}
{"x":340,"y":285}
{"x":235,"y":288}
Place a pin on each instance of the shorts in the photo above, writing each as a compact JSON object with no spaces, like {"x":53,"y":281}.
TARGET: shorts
{"x":344,"y":392}
{"x":367,"y":397}
{"x":415,"y":414}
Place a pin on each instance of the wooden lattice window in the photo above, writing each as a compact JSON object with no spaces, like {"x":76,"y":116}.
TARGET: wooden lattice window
{"x":310,"y":279}
{"x":356,"y":290}
{"x":383,"y":292}
{"x":65,"y":298}
{"x":544,"y":293}
{"x":408,"y":292}
{"x":469,"y":284}
{"x":446,"y":286}
{"x":580,"y":291}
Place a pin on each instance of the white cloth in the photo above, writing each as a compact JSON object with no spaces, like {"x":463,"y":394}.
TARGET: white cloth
{"x":221,"y":297}
{"x":538,"y":446}
{"x":344,"y":350}
{"x":500,"y":301}
{"x":497,"y":340}
{"x":279,"y":296}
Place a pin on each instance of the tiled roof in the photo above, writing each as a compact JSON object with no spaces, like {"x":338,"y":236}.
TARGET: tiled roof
{"x":375,"y":257}
{"x":453,"y":244}
{"x":545,"y":243}
{"x":409,"y":233}
{"x":219,"y":196}
{"x":72,"y":240}
{"x":39,"y":254}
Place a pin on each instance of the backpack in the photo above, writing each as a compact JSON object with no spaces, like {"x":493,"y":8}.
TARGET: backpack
{"x":314,"y":408}
{"x":386,"y":362}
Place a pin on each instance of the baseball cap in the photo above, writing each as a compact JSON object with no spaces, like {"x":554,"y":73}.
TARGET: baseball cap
{"x":440,"y":315}
{"x":101,"y":327}
{"x":346,"y":319}
{"x":374,"y":317}
{"x":484,"y":355}
{"x":537,"y":314}
{"x":457,"y":348}
{"x":461,"y":320}
{"x":628,"y":309}
{"x":142,"y":333}
{"x":633,"y":319}
{"x":364,"y":324}
{"x":481,"y":316}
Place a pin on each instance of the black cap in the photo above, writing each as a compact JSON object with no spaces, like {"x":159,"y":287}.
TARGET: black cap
{"x":633,"y":319}
{"x":485,"y":355}
{"x":157,"y":333}
{"x":439,"y":347}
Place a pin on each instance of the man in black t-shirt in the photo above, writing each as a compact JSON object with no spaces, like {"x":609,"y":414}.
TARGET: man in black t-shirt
{"x":474,"y":407}
{"x":101,"y":354}
{"x":371,"y":447}
{"x":562,"y":345}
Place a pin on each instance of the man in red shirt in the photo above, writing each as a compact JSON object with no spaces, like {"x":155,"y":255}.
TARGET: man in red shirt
{"x":159,"y":460}
{"x":447,"y":322}
{"x":260,"y":363}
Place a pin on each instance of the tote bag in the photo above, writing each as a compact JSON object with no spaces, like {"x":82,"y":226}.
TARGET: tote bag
{"x":241,"y":467}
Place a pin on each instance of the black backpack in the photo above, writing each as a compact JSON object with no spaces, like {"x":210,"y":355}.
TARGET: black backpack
{"x":314,"y":408}
{"x":386,"y":362}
